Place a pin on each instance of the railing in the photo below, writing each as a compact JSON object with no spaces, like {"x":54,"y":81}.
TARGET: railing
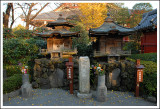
{"x":113,"y":53}
{"x":122,"y":52}
{"x":62,"y":49}
{"x":69,"y":50}
{"x":99,"y":53}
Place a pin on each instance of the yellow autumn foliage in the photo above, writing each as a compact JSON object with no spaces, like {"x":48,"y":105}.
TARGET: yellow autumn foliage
{"x":92,"y":14}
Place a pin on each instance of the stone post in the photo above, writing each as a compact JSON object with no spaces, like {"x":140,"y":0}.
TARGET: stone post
{"x":84,"y":78}
{"x":101,"y":89}
{"x":26,"y":88}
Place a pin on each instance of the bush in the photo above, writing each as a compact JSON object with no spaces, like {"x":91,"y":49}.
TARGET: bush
{"x":145,"y":56}
{"x":18,"y":50}
{"x":39,"y":42}
{"x":12,"y":83}
{"x":23,"y":33}
{"x":84,"y":50}
{"x":7,"y":33}
{"x":133,"y":46}
{"x":12,"y":69}
{"x":149,"y":84}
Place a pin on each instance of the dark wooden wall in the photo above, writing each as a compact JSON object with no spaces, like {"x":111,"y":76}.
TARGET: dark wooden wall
{"x":149,"y":42}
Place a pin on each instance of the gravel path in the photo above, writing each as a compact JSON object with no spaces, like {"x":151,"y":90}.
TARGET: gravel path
{"x":59,"y":97}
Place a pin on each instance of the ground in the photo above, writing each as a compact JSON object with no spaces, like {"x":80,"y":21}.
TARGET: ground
{"x":59,"y":97}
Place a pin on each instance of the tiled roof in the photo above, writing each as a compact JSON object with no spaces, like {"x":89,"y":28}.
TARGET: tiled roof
{"x":59,"y":22}
{"x":52,"y":15}
{"x":62,"y":33}
{"x":110,"y":26}
{"x":148,"y":21}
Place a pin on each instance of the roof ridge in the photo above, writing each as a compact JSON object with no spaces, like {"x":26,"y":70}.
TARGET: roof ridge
{"x":122,"y":26}
{"x":143,"y":19}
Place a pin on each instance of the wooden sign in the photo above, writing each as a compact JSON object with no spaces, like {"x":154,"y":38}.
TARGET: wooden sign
{"x":69,"y":66}
{"x":69,"y":72}
{"x":138,"y":61}
{"x":139,"y":75}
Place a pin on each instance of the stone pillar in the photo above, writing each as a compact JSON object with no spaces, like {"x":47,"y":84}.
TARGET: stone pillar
{"x":26,"y":88}
{"x":84,"y":78}
{"x":101,"y":89}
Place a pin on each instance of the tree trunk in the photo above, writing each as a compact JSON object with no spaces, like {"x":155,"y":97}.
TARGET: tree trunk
{"x":27,"y":24}
{"x":12,"y":16}
{"x":6,"y":15}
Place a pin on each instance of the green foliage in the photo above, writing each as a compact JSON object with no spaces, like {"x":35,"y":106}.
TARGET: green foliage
{"x":82,"y":42}
{"x":23,"y":33}
{"x":84,"y":50}
{"x":40,"y":29}
{"x":7,"y":33}
{"x":142,"y":6}
{"x":84,"y":38}
{"x":150,"y":78}
{"x":145,"y":56}
{"x":149,"y":84}
{"x":123,"y":16}
{"x":12,"y":83}
{"x":39,"y":42}
{"x":133,"y":46}
{"x":18,"y":50}
{"x":12,"y":69}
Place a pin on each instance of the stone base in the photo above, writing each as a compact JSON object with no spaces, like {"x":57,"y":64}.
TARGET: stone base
{"x":102,"y":94}
{"x":83,"y":95}
{"x":26,"y":90}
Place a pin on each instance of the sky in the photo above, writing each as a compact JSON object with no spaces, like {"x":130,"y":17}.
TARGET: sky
{"x":52,"y":6}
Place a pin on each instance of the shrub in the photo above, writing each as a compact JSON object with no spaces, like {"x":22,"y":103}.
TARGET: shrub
{"x":84,"y":50}
{"x":41,"y":29}
{"x":12,"y":83}
{"x":18,"y":50}
{"x":7,"y":33}
{"x":23,"y":33}
{"x":145,"y":56}
{"x":149,"y":84}
{"x":38,"y":41}
{"x":133,"y":46}
{"x":12,"y":69}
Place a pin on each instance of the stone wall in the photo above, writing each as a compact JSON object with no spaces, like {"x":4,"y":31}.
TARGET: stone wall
{"x":121,"y":75}
{"x":53,"y":74}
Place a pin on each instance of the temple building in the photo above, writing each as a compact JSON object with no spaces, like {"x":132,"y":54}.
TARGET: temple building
{"x":109,"y":39}
{"x":148,"y":26}
{"x":59,"y":39}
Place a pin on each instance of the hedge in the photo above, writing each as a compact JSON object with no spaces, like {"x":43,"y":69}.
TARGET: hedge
{"x":145,"y":56}
{"x":149,"y":85}
{"x":12,"y":83}
{"x":12,"y":69}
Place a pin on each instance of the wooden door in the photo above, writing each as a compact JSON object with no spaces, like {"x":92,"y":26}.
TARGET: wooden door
{"x":102,"y":46}
{"x":49,"y":44}
{"x":57,"y":44}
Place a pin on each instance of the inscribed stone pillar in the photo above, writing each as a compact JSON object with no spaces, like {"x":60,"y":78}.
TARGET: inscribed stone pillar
{"x":26,"y":88}
{"x":84,"y":78}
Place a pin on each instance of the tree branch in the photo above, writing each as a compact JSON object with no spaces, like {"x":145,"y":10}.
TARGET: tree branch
{"x":22,"y":9}
{"x":39,"y":11}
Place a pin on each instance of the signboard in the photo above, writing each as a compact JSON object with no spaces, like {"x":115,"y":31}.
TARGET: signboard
{"x":69,"y":66}
{"x":69,"y":72}
{"x":138,"y":61}
{"x":139,"y":75}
